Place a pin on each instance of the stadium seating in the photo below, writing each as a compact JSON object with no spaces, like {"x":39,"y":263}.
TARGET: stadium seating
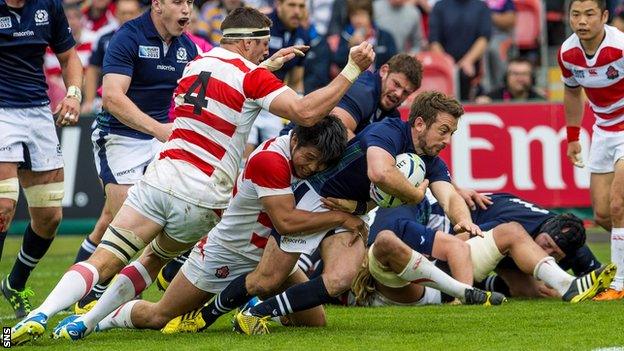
{"x":439,"y":73}
{"x":529,"y":24}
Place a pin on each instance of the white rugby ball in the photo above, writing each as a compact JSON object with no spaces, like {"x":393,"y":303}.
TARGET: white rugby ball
{"x":412,"y":167}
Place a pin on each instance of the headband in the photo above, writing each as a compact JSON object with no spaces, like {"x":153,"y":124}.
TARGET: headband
{"x":247,"y":33}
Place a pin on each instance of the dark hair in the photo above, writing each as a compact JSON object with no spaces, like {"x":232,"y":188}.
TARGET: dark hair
{"x":428,"y":104}
{"x":567,"y":231}
{"x":602,"y":4}
{"x":520,"y":60}
{"x":408,"y":65}
{"x":356,"y":5}
{"x":329,"y":136}
{"x":244,"y":17}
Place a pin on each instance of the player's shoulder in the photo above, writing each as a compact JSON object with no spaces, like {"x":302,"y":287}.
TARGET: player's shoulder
{"x":273,"y":150}
{"x":572,"y":42}
{"x":225,"y":59}
{"x":614,"y":38}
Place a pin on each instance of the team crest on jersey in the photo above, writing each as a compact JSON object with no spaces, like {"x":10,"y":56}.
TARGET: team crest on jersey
{"x":612,"y":72}
{"x":578,"y":73}
{"x":181,"y":55}
{"x":41,"y":17}
{"x":150,"y":52}
{"x":5,"y":22}
{"x":222,"y":272}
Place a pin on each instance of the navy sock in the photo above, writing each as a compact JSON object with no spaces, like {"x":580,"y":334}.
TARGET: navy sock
{"x":86,"y":249}
{"x":172,"y":268}
{"x":2,"y":237}
{"x":494,"y":283}
{"x":296,"y":298}
{"x":33,"y":249}
{"x":234,"y":295}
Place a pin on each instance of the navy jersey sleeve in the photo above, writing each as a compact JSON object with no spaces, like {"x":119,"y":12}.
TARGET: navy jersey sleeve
{"x":387,"y":135}
{"x":62,"y":39}
{"x":437,"y":170}
{"x":121,"y":53}
{"x":359,"y":101}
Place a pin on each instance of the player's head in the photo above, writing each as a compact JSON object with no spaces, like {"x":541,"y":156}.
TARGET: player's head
{"x":248,"y":30}
{"x":315,"y":148}
{"x":433,"y":116}
{"x":587,"y":18}
{"x":173,"y":15}
{"x":291,"y":12}
{"x":400,"y":77}
{"x":127,"y":10}
{"x":561,"y":235}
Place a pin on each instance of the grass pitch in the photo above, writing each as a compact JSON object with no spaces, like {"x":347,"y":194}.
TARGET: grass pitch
{"x":518,"y":325}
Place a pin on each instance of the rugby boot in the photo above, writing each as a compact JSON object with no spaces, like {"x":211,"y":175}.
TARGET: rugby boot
{"x":191,"y":322}
{"x":609,"y":295}
{"x":71,"y":328}
{"x":476,"y":296}
{"x":587,"y":286}
{"x":29,"y":329}
{"x":246,"y":323}
{"x":18,"y":299}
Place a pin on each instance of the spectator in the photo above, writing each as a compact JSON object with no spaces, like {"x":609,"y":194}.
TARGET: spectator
{"x":320,"y":12}
{"x":287,"y":30}
{"x":362,"y":28}
{"x":462,"y":29}
{"x":339,"y":17}
{"x":125,"y":11}
{"x":618,"y":19}
{"x":99,"y":16}
{"x":211,"y":16}
{"x":408,"y":37}
{"x":555,"y":23}
{"x":503,"y":22}
{"x":518,"y":84}
{"x":317,"y":60}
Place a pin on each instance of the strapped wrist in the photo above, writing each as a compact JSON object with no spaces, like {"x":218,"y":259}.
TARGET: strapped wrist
{"x":74,"y":92}
{"x":573,"y":133}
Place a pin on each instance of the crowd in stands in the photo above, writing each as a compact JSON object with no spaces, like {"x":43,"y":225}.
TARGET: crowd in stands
{"x":492,"y":46}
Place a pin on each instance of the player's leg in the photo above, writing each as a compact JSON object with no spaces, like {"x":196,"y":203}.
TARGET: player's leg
{"x":9,"y":193}
{"x":169,"y":271}
{"x":600,"y":186}
{"x":313,"y":317}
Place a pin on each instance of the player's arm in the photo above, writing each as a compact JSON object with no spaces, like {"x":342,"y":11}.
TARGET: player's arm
{"x":69,"y":109}
{"x":454,"y":206}
{"x":309,"y":109}
{"x":383,"y":173}
{"x":115,"y":101}
{"x":573,"y":107}
{"x":347,"y":119}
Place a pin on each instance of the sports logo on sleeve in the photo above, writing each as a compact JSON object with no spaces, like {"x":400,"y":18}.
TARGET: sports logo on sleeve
{"x":149,"y":52}
{"x":5,"y":22}
{"x":41,"y":17}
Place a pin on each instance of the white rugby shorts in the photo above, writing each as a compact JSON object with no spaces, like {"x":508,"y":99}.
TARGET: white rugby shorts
{"x":606,"y":149}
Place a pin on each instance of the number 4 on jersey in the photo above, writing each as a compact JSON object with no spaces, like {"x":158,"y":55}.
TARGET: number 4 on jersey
{"x":198,"y":101}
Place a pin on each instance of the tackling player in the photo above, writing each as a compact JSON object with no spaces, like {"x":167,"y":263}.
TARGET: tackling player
{"x":30,"y":153}
{"x":184,"y":192}
{"x":592,"y":58}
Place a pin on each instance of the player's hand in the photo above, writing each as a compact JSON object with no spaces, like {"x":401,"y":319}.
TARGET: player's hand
{"x":163,"y":132}
{"x":278,"y":59}
{"x":421,"y":191}
{"x":546,"y":291}
{"x":332,"y":203}
{"x":467,"y":67}
{"x":67,"y":112}
{"x":574,"y":154}
{"x":474,"y":199}
{"x":362,"y":55}
{"x":358,"y":227}
{"x":468,"y":227}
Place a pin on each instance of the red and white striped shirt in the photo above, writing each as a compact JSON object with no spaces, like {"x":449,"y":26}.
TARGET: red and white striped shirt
{"x":51,"y":64}
{"x":245,"y":227}
{"x":217,"y":100}
{"x":602,"y":76}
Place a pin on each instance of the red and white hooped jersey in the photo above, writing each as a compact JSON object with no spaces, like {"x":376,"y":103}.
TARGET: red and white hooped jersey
{"x":245,"y":227}
{"x":602,"y":76}
{"x":217,"y":100}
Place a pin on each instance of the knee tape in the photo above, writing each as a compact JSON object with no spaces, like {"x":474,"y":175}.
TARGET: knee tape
{"x":163,"y":253}
{"x":45,"y":195}
{"x":122,"y":243}
{"x":382,"y":273}
{"x":484,"y":254}
{"x":9,"y":189}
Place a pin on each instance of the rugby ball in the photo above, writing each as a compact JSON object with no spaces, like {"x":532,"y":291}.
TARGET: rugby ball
{"x":412,"y":167}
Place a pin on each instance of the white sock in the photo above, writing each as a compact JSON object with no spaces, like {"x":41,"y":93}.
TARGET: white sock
{"x":130,"y":281}
{"x":74,"y":285}
{"x":548,"y":271}
{"x":420,"y":270}
{"x":119,"y":318}
{"x":617,"y":257}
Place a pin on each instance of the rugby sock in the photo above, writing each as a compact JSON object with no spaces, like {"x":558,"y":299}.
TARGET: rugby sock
{"x":33,"y":249}
{"x":172,"y":268}
{"x":95,"y":293}
{"x":494,"y":283}
{"x":548,"y":271}
{"x":86,"y":249}
{"x":131,"y":280}
{"x":234,"y":295}
{"x":2,"y":237}
{"x":120,"y":318}
{"x":75,"y":283}
{"x":309,"y":263}
{"x":617,"y":257}
{"x":421,"y":271}
{"x":296,"y":298}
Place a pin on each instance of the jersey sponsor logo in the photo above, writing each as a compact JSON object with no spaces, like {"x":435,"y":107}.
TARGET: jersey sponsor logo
{"x":41,"y":17}
{"x":5,"y":22}
{"x":127,"y":171}
{"x":149,"y":52}
{"x":222,"y":272}
{"x":181,"y":55}
{"x":166,"y":68}
{"x":592,"y":72}
{"x":295,"y":241}
{"x":578,"y":73}
{"x":26,"y":33}
{"x":612,"y":73}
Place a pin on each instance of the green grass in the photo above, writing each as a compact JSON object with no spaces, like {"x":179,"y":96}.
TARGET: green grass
{"x":519,"y":325}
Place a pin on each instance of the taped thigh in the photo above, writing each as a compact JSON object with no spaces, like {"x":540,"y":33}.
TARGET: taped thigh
{"x":9,"y":189}
{"x":45,"y":195}
{"x":165,"y":253}
{"x":485,"y":255}
{"x":122,"y":243}
{"x":382,"y":273}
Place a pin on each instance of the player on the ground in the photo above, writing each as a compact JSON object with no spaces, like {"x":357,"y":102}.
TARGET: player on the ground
{"x":380,"y":281}
{"x":30,"y":153}
{"x":264,"y":199}
{"x":182,"y":194}
{"x":593,"y":59}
